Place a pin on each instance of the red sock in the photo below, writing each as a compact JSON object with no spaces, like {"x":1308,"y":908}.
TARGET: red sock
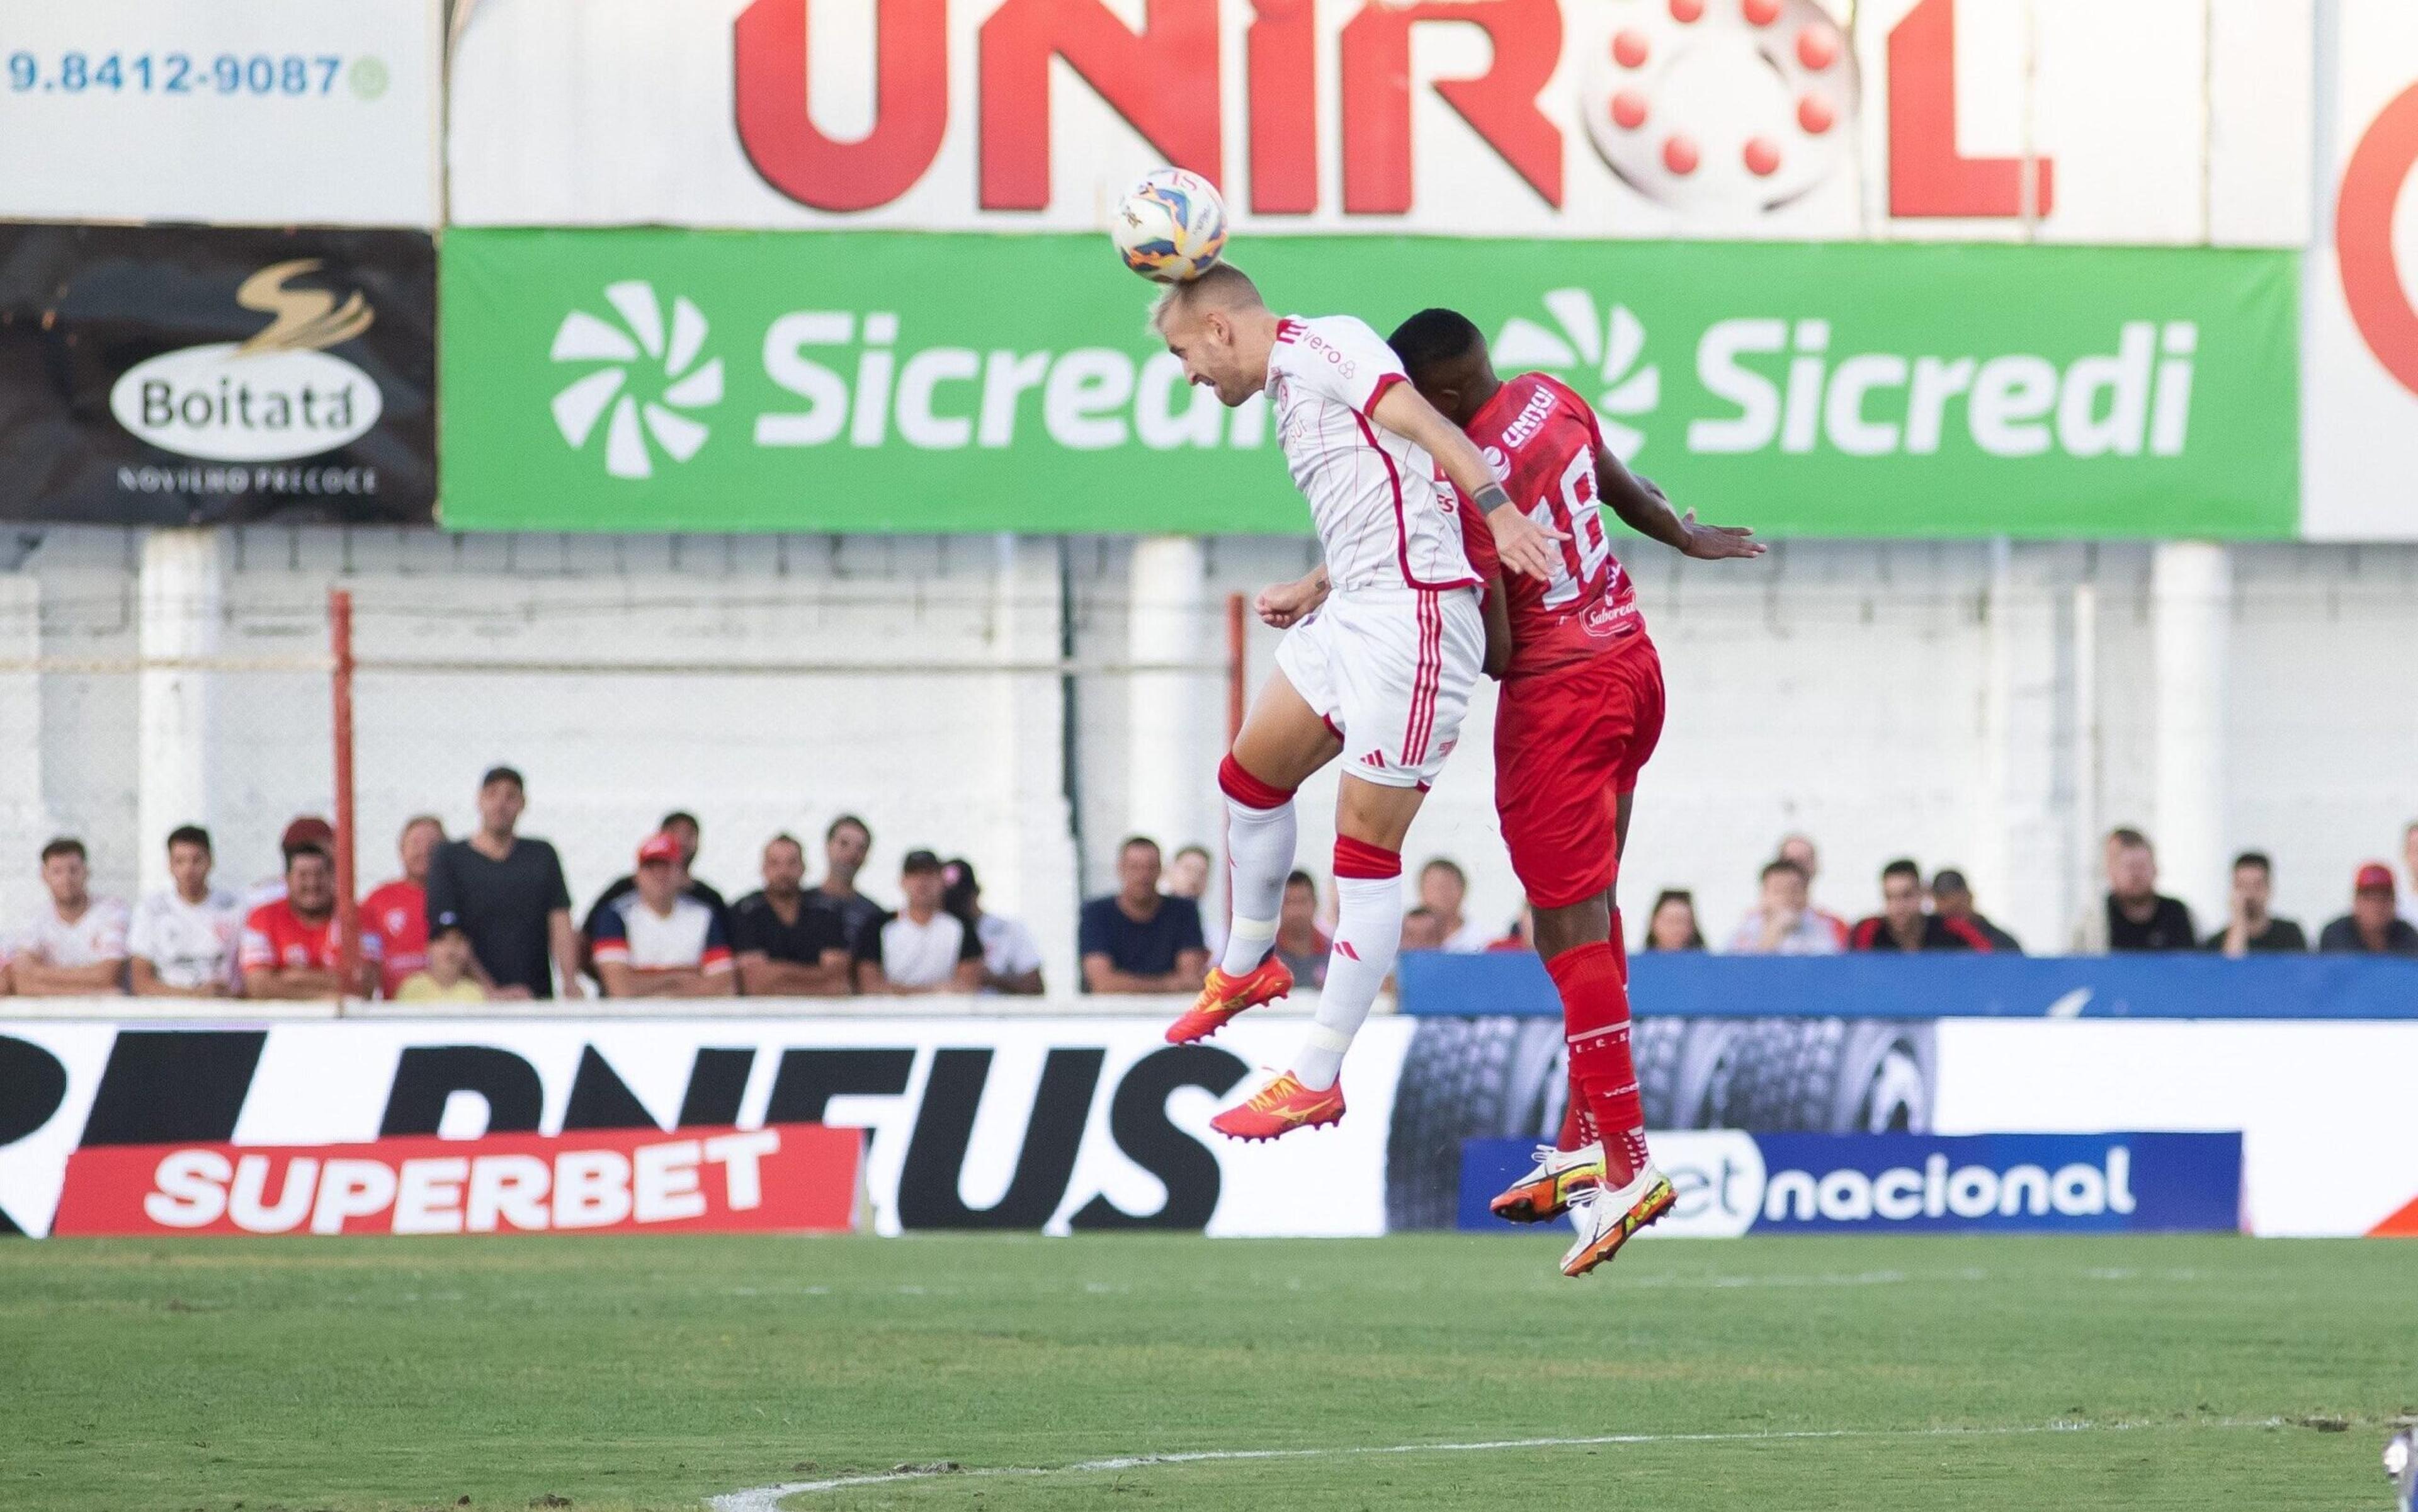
{"x":1578,"y":1130}
{"x":1595,"y":1018}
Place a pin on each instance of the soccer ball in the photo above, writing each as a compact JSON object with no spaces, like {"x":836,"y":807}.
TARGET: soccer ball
{"x":1170,"y":226}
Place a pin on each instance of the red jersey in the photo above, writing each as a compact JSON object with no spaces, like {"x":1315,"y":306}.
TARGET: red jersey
{"x":397,"y":914}
{"x":276,"y":937}
{"x":1540,"y":439}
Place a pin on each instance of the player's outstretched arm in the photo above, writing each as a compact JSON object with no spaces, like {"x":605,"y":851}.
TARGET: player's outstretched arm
{"x":1645,"y":510}
{"x":1521,"y":544}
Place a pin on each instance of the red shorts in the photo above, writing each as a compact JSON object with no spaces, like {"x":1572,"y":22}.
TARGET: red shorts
{"x":1568,"y":744}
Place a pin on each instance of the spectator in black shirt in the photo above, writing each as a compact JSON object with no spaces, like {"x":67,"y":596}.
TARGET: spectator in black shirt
{"x":789,"y":942}
{"x":2135,"y":915}
{"x":682,"y":827}
{"x":2252,"y":931}
{"x":1138,"y":940}
{"x":2371,"y":927}
{"x":1952,"y":898}
{"x":508,"y":897}
{"x":846,"y":845}
{"x":1902,"y":924}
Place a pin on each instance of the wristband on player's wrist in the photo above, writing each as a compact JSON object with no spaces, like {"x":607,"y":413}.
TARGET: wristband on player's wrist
{"x":1493,"y":497}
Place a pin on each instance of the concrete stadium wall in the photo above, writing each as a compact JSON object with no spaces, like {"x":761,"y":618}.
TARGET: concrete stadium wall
{"x":1992,"y":707}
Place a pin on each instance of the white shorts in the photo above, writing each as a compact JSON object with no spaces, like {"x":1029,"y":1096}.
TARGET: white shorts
{"x":1389,"y":670}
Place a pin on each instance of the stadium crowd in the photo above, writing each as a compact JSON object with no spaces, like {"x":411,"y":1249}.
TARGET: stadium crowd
{"x":489,"y":916}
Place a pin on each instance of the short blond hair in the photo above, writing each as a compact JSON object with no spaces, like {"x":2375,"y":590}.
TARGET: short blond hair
{"x":1224,"y":286}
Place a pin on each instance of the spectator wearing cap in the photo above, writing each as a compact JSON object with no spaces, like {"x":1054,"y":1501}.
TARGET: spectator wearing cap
{"x":76,"y":946}
{"x":187,"y":939}
{"x":2252,"y":930}
{"x":1783,"y":921}
{"x":2372,"y":927}
{"x":1673,"y":925}
{"x":293,"y":947}
{"x":304,"y":832}
{"x":507,"y":894}
{"x":1299,"y":944}
{"x":445,"y":976}
{"x":683,"y":828}
{"x":1951,"y":897}
{"x":1011,"y":958}
{"x":923,"y":947}
{"x":1443,"y":890}
{"x":655,"y":941}
{"x":397,"y":911}
{"x":1799,"y":849}
{"x":790,"y":943}
{"x":1903,"y":926}
{"x":1136,"y":939}
{"x":2135,"y":915}
{"x":846,"y":843}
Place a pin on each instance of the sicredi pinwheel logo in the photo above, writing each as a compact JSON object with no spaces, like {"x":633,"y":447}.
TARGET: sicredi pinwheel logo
{"x":1607,"y":347}
{"x":653,"y":373}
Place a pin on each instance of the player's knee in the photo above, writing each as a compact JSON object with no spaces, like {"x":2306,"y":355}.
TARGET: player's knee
{"x":1248,"y":791}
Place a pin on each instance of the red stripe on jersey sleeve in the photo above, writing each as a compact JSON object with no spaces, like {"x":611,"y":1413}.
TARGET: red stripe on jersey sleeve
{"x":1385,"y":381}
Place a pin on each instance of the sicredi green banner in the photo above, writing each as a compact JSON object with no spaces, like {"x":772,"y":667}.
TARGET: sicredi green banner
{"x":664,"y":379}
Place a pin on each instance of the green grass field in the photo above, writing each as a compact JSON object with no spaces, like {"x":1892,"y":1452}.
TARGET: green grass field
{"x":656,"y":1372}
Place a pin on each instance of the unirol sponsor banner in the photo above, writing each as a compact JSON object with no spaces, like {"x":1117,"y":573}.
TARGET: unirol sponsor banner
{"x":792,"y":1178}
{"x":2150,"y":121}
{"x":265,"y":112}
{"x":1729,"y":1183}
{"x":2329,"y":1144}
{"x":187,"y":374}
{"x":658,"y":378}
{"x":2360,"y":350}
{"x":1050,"y":1125}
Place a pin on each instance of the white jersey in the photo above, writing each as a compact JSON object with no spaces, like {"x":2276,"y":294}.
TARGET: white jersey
{"x":188,"y":944}
{"x":1384,"y":516}
{"x":98,"y":935}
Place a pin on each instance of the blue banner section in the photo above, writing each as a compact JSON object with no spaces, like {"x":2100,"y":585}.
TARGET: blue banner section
{"x":1731,"y":1182}
{"x":1936,"y":986}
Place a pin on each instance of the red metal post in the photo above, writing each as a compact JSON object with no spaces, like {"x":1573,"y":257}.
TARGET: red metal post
{"x":340,"y":644}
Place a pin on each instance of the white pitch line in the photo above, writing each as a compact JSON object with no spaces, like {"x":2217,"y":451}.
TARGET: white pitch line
{"x":769,"y":1498}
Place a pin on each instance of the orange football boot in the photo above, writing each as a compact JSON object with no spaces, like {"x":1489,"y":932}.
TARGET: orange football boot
{"x":1551,"y":1184}
{"x":1222,"y":996}
{"x":1281,"y":1106}
{"x":1609,"y":1218}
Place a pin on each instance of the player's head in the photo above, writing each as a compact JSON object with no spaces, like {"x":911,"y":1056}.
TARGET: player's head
{"x":1444,"y":353}
{"x":1219,"y":328}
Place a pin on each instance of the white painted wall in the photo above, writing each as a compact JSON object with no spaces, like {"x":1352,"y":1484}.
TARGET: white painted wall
{"x":1887,"y":698}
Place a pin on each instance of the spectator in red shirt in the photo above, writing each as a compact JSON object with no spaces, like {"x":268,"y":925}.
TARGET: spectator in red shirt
{"x":397,"y":911}
{"x":1902,"y":924}
{"x":292,"y":948}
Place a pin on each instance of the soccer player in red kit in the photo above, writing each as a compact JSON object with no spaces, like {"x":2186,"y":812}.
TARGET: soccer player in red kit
{"x":1581,"y":711}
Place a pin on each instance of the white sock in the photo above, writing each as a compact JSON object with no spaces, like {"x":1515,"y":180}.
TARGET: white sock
{"x":1258,"y":850}
{"x":1368,"y":932}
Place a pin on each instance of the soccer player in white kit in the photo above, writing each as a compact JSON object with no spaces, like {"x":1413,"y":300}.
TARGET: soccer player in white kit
{"x":1379,"y":674}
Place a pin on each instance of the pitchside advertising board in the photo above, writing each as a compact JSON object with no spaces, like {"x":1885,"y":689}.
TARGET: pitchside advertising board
{"x":2070,"y":120}
{"x":648,"y":379}
{"x":193,"y":375}
{"x":482,"y":1126}
{"x":261,"y":112}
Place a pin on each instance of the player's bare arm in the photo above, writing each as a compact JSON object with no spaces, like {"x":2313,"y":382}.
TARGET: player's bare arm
{"x":1498,"y":627}
{"x":1645,"y":510}
{"x":1523,"y":544}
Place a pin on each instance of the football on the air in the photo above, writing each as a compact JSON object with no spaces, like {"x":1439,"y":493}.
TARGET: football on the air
{"x":1170,"y":226}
